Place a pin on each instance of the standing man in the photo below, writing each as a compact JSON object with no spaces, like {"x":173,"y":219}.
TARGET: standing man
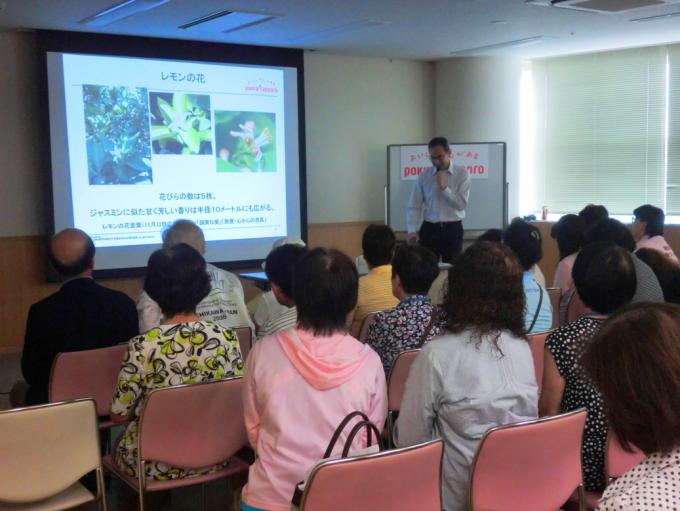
{"x":443,"y":190}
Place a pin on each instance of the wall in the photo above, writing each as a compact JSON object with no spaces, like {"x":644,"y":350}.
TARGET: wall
{"x":356,"y":107}
{"x":21,"y":188}
{"x":477,"y":100}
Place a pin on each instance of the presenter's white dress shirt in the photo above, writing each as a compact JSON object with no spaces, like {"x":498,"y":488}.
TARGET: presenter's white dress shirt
{"x":446,"y":205}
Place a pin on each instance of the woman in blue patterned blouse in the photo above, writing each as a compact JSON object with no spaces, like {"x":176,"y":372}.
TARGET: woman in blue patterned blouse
{"x":413,"y":321}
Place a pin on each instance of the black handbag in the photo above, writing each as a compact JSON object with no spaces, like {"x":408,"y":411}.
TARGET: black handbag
{"x":364,"y":423}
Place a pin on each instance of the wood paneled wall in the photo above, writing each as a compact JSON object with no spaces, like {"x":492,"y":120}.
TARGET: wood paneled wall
{"x":22,"y":279}
{"x":22,"y":275}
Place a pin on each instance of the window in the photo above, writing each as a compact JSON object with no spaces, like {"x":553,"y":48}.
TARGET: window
{"x":601,"y":128}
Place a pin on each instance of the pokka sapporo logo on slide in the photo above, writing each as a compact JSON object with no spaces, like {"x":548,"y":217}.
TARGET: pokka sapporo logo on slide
{"x":262,"y":86}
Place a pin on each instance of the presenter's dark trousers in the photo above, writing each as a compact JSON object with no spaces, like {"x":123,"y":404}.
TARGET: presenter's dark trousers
{"x":445,"y":239}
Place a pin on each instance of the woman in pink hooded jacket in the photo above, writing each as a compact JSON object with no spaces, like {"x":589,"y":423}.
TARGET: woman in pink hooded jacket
{"x":300,"y":383}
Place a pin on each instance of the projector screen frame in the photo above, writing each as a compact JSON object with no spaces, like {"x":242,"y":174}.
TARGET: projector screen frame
{"x":171,"y":49}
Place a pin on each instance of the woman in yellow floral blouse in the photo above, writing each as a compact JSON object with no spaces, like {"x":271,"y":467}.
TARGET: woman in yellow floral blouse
{"x":183,"y":349}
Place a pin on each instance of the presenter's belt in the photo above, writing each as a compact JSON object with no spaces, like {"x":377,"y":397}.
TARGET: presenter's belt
{"x":442,"y":224}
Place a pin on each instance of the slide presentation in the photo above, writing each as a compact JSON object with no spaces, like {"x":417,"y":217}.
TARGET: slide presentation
{"x":138,"y":143}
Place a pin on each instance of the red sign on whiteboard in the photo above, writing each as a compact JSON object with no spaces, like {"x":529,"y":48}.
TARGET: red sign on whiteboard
{"x":416,"y":159}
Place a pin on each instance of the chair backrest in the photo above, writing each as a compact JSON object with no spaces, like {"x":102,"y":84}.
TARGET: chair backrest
{"x":532,"y":466}
{"x":576,"y":308}
{"x":396,"y":381}
{"x":618,"y":461}
{"x":537,"y":345}
{"x":555,"y":293}
{"x":408,"y":478}
{"x":245,"y":340}
{"x":210,"y":414}
{"x":368,"y":321}
{"x":45,"y":449}
{"x":88,"y":373}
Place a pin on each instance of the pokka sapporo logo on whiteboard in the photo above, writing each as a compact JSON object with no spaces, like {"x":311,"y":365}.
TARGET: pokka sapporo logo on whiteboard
{"x":262,"y":86}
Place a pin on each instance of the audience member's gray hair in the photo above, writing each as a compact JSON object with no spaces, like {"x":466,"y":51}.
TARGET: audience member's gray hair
{"x":184,"y":231}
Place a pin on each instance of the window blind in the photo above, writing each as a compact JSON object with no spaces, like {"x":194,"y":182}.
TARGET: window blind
{"x":673,"y":172}
{"x":600,"y":129}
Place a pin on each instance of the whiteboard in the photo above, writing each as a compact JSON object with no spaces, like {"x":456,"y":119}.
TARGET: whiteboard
{"x":485,"y":161}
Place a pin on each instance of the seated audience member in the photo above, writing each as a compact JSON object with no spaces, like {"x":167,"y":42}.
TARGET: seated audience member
{"x":279,"y":269}
{"x":184,"y":349}
{"x":497,"y":236}
{"x":525,"y":240}
{"x":414,"y":321}
{"x":648,"y":287}
{"x":593,"y":213}
{"x":479,"y":374}
{"x":665,"y":270}
{"x":300,"y":383}
{"x":82,"y":315}
{"x":224,"y":304}
{"x":568,"y":232}
{"x":634,"y":361}
{"x":375,"y":288}
{"x":266,"y":308}
{"x":604,"y":275}
{"x":438,"y":287}
{"x":648,"y":230}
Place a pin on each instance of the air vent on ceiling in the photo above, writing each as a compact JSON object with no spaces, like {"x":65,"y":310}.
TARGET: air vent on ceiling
{"x":603,"y":6}
{"x":228,"y":20}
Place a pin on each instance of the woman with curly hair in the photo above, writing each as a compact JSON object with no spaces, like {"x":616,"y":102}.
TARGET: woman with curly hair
{"x":479,"y":374}
{"x":183,"y":349}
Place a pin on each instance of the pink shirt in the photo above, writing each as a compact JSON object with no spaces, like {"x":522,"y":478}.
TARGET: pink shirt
{"x":297,"y":389}
{"x":565,"y":282}
{"x":563,"y":278}
{"x":657,"y":243}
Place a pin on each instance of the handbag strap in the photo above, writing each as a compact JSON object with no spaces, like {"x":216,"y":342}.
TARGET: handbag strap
{"x":538,"y":309}
{"x":358,"y":427}
{"x":341,"y":428}
{"x":429,"y":327}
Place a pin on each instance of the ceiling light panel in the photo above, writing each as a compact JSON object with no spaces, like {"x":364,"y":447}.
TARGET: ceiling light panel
{"x":659,"y":17}
{"x":120,"y":11}
{"x":516,"y":43}
{"x":227,"y":21}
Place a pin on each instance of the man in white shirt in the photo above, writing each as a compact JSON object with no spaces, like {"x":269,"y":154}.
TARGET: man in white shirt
{"x":440,"y":197}
{"x":225,"y":304}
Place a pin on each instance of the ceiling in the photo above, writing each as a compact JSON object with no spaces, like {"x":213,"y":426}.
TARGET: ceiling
{"x":423,"y":29}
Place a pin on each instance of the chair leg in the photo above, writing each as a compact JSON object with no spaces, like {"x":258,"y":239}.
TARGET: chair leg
{"x":101,"y":490}
{"x":141,"y":481}
{"x":203,"y":496}
{"x":581,"y":498}
{"x":390,"y":430}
